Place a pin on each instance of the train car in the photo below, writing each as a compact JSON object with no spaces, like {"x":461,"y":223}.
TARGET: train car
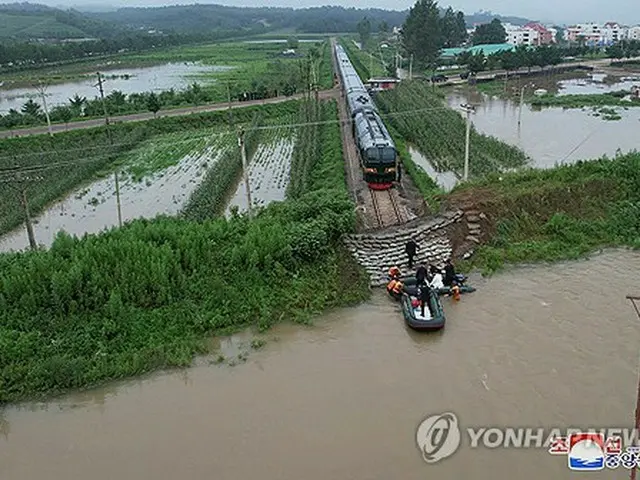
{"x":378,"y":155}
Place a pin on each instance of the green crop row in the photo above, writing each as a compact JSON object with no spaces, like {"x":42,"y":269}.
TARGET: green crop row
{"x":65,"y":161}
{"x":420,"y":115}
{"x":209,"y":199}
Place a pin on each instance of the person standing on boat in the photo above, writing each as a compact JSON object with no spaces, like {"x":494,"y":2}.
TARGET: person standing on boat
{"x":410,"y":249}
{"x":424,"y":292}
{"x":436,"y":279}
{"x":449,"y":273}
{"x":421,"y":275}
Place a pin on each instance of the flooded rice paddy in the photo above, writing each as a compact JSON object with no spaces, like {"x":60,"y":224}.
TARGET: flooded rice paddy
{"x":268,"y":174}
{"x":546,"y":347}
{"x":92,"y":209}
{"x":130,"y":80}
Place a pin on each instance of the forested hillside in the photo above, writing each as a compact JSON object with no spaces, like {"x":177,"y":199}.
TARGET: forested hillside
{"x":202,"y":18}
{"x":25,"y":21}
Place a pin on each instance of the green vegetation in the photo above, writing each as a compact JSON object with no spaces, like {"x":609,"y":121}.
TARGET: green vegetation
{"x":420,"y":115}
{"x":613,"y":99}
{"x":561,"y":213}
{"x":148,"y":295}
{"x":426,"y":30}
{"x":35,"y":26}
{"x":210,"y":198}
{"x":68,"y":159}
{"x":366,"y":64}
{"x":259,"y":71}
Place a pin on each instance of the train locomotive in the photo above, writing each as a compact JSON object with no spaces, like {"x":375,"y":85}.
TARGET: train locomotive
{"x":378,"y":154}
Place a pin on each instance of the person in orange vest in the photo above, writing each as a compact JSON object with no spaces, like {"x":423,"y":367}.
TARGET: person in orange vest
{"x":391,"y":285}
{"x":455,"y":291}
{"x":394,"y":272}
{"x":397,"y":289}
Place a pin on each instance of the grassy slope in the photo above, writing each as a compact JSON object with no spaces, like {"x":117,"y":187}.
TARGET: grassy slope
{"x":148,"y":295}
{"x":36,"y":26}
{"x":562,"y":213}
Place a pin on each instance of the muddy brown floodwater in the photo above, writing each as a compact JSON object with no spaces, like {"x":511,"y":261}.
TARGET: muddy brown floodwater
{"x":550,"y":346}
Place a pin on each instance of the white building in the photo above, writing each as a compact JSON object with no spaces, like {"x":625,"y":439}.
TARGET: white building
{"x":521,"y":35}
{"x":613,"y":32}
{"x":633,"y":33}
{"x":589,"y":33}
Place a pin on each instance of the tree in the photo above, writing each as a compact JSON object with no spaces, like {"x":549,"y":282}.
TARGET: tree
{"x":489,"y":33}
{"x":292,"y":43}
{"x":453,"y":28}
{"x":477,"y":62}
{"x":383,"y":27}
{"x":153,"y":103}
{"x":77,"y":105}
{"x":31,"y":109}
{"x":421,"y":32}
{"x":63,"y":113}
{"x":364,"y":30}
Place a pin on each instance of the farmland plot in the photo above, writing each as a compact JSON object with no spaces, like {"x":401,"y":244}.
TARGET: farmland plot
{"x":156,"y":178}
{"x":268,"y":172}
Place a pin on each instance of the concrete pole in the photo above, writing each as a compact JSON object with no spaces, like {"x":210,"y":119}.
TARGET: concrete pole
{"x":469,"y":109}
{"x":411,"y":67}
{"x":27,"y":219}
{"x":41,"y":89}
{"x":521,"y":104}
{"x":245,"y":172}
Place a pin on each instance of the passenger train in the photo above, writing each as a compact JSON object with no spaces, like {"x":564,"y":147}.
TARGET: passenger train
{"x":378,"y":154}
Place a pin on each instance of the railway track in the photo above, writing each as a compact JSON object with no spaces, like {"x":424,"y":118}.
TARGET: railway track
{"x":381,"y":208}
{"x":386,"y":208}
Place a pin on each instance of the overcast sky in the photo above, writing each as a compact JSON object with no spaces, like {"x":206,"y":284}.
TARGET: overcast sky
{"x":562,"y":11}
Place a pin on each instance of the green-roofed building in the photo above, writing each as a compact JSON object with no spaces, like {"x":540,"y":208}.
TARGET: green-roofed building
{"x":486,"y":49}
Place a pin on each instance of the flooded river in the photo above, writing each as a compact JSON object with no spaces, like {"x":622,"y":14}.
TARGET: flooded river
{"x":131,"y":80}
{"x":544,"y":347}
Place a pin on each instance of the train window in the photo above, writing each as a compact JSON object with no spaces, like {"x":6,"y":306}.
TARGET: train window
{"x":388,"y":154}
{"x":372,"y":154}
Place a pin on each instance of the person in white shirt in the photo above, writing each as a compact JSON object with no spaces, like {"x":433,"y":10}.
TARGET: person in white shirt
{"x":436,"y":279}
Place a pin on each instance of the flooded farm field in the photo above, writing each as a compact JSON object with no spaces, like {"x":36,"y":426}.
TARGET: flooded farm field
{"x":268,"y":173}
{"x":130,"y":80}
{"x":445,"y":180}
{"x":555,"y":135}
{"x":545,"y":347}
{"x":157,"y":178}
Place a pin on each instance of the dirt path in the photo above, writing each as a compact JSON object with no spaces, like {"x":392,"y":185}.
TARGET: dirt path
{"x":176,"y":112}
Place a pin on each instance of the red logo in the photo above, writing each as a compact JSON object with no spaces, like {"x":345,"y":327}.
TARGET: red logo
{"x":613,"y":446}
{"x":559,"y":446}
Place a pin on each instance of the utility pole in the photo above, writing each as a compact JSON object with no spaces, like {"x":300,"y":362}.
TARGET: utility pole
{"x":229,"y":99}
{"x":411,"y":66}
{"x":245,"y":172}
{"x":521,"y":104}
{"x":41,"y":89}
{"x":22,"y":190}
{"x":115,"y":173}
{"x":637,"y":429}
{"x":469,"y":109}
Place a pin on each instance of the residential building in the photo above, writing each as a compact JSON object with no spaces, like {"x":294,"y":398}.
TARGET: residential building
{"x":633,"y":33}
{"x":554,"y":34}
{"x":612,"y":32}
{"x":587,"y":33}
{"x":521,"y":35}
{"x":545,"y":36}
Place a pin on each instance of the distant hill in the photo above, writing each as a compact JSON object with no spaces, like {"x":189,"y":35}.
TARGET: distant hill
{"x":26,"y":21}
{"x":203,"y":18}
{"x":486,"y":17}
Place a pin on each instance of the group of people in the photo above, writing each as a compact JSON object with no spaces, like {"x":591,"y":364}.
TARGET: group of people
{"x":427,"y":279}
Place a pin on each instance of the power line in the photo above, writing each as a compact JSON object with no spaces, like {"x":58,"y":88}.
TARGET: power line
{"x":229,"y":132}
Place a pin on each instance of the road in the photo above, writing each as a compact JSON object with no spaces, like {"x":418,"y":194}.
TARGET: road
{"x":136,"y":117}
{"x":455,"y":80}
